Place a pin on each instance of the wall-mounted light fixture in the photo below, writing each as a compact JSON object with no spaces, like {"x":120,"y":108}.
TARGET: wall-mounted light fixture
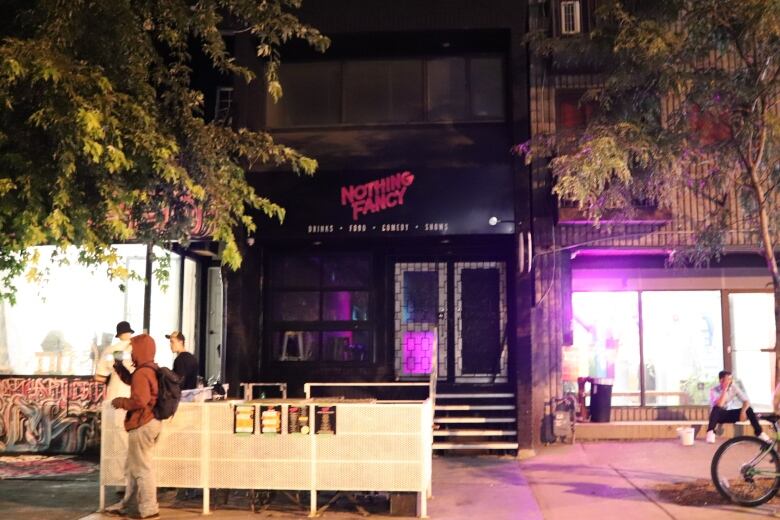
{"x":525,"y":245}
{"x":494,"y":221}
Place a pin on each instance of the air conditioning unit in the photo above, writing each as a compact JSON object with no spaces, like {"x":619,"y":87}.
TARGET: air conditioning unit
{"x":571,"y":19}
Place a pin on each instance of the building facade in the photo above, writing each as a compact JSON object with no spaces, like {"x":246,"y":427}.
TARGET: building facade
{"x":407,"y":252}
{"x":608,"y":306}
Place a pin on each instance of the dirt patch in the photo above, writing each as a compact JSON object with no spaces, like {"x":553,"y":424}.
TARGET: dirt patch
{"x":694,"y":493}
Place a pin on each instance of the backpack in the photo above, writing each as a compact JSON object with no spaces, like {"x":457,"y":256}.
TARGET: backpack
{"x":168,"y":393}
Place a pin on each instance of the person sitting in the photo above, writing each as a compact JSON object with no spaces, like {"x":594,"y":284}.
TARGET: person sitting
{"x":728,"y":403}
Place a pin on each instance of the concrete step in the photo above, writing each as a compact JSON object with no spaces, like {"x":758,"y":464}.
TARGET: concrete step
{"x":475,"y":446}
{"x":473,"y":420}
{"x":474,"y":433}
{"x":475,"y":396}
{"x":466,"y":407}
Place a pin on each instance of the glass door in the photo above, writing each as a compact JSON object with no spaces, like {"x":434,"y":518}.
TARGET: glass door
{"x":752,"y":324}
{"x":420,"y":319}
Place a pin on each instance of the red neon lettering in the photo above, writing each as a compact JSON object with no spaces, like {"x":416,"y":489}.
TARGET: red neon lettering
{"x":376,"y":195}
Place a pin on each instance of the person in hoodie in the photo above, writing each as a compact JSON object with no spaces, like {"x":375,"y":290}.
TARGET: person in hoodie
{"x":143,"y":430}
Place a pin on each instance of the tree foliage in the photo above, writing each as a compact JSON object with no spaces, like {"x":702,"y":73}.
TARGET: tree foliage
{"x":688,"y":100}
{"x":103,"y":137}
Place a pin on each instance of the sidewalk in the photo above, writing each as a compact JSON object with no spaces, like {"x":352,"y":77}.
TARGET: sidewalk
{"x":585,"y":481}
{"x":604,"y":480}
{"x":464,"y":488}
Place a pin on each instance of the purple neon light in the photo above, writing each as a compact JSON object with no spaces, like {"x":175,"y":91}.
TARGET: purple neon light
{"x":418,"y":348}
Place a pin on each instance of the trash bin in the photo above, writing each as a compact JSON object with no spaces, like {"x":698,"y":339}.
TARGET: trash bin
{"x":601,"y":401}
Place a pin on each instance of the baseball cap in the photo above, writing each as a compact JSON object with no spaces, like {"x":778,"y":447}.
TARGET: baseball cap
{"x":176,"y":335}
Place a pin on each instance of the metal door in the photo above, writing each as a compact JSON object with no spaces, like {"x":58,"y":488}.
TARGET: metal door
{"x":480,"y":322}
{"x":214,"y":368}
{"x":420,"y":319}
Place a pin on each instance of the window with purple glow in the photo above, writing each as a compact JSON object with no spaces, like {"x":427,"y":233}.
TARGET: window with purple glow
{"x":683,"y":346}
{"x":606,"y":343}
{"x":320,"y":308}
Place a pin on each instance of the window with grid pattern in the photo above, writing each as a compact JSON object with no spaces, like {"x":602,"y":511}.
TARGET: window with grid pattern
{"x":570,"y":18}
{"x":320,"y":308}
{"x":390,"y":91}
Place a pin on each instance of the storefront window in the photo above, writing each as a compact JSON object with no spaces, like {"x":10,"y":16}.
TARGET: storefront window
{"x":752,"y":330}
{"x":683,"y":345}
{"x":606,"y":343}
{"x":59,"y":326}
{"x":682,"y":337}
{"x":321,"y":308}
{"x":165,"y":308}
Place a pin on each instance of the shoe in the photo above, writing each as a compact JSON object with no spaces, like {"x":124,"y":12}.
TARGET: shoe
{"x":710,"y":437}
{"x":115,"y":510}
{"x":764,"y":437}
{"x":147,"y":517}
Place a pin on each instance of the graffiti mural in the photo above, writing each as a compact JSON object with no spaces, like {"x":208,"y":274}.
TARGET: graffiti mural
{"x":49,"y":414}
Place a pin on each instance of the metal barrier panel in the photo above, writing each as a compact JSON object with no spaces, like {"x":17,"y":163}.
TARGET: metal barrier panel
{"x":177,"y":455}
{"x":257,"y":461}
{"x":377,"y":447}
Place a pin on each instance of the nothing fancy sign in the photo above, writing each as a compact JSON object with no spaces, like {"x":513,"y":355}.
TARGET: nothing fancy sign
{"x":378,"y":195}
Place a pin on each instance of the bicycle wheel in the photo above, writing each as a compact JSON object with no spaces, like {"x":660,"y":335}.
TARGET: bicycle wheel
{"x":746,"y":470}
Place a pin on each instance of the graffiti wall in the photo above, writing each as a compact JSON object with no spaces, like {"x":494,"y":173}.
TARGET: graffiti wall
{"x":49,"y":414}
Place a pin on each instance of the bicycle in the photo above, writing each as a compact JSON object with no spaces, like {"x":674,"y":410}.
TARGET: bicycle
{"x":746,"y":470}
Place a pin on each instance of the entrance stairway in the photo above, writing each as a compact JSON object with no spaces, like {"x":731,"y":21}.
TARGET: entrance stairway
{"x":480,"y":418}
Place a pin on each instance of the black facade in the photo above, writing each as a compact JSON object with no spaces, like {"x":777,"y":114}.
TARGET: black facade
{"x":412,"y":232}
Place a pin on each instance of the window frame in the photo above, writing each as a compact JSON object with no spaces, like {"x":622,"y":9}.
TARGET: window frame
{"x":228,"y":111}
{"x":576,"y":17}
{"x":470,"y":118}
{"x":725,"y":333}
{"x":320,"y":326}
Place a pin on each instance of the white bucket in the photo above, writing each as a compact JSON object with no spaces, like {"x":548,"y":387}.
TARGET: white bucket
{"x":686,"y":435}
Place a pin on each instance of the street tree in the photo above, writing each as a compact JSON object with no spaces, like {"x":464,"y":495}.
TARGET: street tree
{"x":103,"y":137}
{"x":687,"y":100}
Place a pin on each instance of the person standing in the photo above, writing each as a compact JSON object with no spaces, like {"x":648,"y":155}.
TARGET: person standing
{"x":728,"y":402}
{"x":143,"y":430}
{"x":118,"y":351}
{"x":185,"y":365}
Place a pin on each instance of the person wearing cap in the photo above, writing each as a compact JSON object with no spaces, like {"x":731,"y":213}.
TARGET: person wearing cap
{"x":185,"y":365}
{"x":143,"y":430}
{"x":118,"y":351}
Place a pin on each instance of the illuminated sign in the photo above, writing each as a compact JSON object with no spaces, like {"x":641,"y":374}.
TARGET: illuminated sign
{"x":378,"y":195}
{"x":402,"y":201}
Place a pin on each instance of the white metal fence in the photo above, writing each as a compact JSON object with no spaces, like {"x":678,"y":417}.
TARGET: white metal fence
{"x":378,"y":446}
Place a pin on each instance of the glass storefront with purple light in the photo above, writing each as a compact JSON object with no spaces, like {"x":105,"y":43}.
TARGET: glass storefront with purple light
{"x":666,"y":347}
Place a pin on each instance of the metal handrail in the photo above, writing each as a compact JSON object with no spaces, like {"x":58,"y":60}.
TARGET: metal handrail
{"x":308,"y":386}
{"x":248,"y":389}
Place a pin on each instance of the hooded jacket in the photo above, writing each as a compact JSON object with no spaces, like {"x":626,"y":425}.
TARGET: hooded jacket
{"x":143,"y":383}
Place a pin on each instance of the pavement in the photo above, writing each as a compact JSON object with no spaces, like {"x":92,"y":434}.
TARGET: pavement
{"x":584,"y":481}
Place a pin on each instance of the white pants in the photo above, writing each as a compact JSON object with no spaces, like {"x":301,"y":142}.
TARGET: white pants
{"x":139,"y":473}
